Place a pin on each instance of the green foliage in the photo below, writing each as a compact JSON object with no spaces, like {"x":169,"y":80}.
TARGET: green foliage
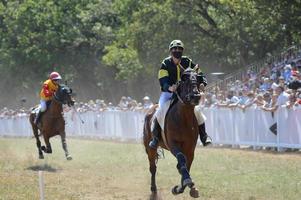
{"x":81,"y":38}
{"x":42,"y":32}
{"x":124,"y":59}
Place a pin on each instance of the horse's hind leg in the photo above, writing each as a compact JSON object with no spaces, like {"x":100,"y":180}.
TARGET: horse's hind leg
{"x":152,"y":157}
{"x":38,"y":142}
{"x":64,"y":144}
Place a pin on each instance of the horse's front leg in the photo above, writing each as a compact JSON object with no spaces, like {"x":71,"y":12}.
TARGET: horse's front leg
{"x":48,"y":148}
{"x":183,"y":170}
{"x":64,"y":145}
{"x":193,"y":190}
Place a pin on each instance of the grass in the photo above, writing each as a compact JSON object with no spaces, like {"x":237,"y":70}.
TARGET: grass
{"x":112,"y":170}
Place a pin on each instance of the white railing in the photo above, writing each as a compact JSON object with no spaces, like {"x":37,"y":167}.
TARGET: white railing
{"x":251,"y":127}
{"x":225,"y":126}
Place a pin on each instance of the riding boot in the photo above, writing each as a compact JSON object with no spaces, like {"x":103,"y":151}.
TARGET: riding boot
{"x":155,"y":129}
{"x":37,"y":118}
{"x":205,"y":139}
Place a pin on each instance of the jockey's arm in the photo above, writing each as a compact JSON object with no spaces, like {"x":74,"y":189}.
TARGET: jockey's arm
{"x":46,"y":91}
{"x":163,"y":77}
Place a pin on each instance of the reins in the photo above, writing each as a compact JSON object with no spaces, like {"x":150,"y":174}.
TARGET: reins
{"x":57,"y":99}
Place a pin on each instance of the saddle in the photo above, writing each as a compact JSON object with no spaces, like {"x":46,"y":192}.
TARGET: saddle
{"x":161,"y":114}
{"x":36,"y":111}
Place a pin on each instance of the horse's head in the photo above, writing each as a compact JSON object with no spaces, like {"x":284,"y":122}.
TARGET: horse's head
{"x":64,"y":95}
{"x":188,"y":88}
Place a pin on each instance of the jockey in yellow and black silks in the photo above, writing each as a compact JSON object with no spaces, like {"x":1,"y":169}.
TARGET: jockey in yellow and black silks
{"x":49,"y":87}
{"x":169,"y":74}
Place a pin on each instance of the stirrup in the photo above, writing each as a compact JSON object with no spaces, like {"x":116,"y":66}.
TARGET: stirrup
{"x":153,"y":143}
{"x":208,"y":141}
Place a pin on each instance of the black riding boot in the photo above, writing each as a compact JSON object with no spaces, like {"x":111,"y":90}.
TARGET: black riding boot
{"x":155,"y":129}
{"x":205,"y":139}
{"x":37,"y":118}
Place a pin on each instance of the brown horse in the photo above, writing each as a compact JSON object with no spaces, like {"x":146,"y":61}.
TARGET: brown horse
{"x":181,"y":131}
{"x":52,"y":122}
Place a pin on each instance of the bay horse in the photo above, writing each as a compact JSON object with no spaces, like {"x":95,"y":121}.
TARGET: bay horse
{"x":52,"y":121}
{"x":181,"y":132}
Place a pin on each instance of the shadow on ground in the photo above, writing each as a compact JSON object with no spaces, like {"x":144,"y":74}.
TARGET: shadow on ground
{"x":45,"y":167}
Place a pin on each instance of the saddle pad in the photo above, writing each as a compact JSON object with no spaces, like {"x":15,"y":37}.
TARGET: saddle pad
{"x":161,"y":113}
{"x":36,"y":109}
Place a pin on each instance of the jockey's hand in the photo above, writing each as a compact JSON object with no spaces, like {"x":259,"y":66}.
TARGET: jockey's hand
{"x":172,"y":88}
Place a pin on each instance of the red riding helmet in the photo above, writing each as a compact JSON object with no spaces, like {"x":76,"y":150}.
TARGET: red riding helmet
{"x":55,"y":76}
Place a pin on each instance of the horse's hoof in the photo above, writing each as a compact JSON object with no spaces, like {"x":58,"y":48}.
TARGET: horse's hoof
{"x":194,"y":192}
{"x":69,"y":157}
{"x":154,"y":189}
{"x":41,"y":157}
{"x":43,"y":148}
{"x":177,"y":190}
{"x":187,"y":182}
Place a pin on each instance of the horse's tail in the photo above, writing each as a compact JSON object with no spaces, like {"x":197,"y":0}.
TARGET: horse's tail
{"x":147,"y":135}
{"x":35,"y":128}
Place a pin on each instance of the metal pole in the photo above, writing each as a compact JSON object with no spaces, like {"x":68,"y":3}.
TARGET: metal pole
{"x":41,"y":185}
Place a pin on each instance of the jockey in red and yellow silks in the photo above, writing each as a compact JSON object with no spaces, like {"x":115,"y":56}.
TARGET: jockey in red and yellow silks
{"x":50,"y":86}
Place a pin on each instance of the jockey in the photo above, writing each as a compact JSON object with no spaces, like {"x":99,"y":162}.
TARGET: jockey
{"x":169,"y":74}
{"x":50,"y":86}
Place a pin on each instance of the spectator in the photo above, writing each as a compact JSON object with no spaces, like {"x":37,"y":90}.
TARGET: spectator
{"x":287,"y":73}
{"x":267,"y":98}
{"x":281,"y":81}
{"x":266,"y":85}
{"x":295,"y":84}
{"x":248,"y":102}
{"x":110,"y":106}
{"x":147,"y":103}
{"x":123,"y":104}
{"x":282,"y":99}
{"x":259,"y":100}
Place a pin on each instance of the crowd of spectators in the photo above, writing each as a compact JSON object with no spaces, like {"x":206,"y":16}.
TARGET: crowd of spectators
{"x":125,"y":104}
{"x":275,"y":85}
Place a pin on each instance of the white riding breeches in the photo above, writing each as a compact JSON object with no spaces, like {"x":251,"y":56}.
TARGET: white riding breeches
{"x":43,"y":105}
{"x":199,"y":115}
{"x":166,"y":96}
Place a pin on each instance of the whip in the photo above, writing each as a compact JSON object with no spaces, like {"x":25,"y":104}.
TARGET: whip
{"x":82,"y":121}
